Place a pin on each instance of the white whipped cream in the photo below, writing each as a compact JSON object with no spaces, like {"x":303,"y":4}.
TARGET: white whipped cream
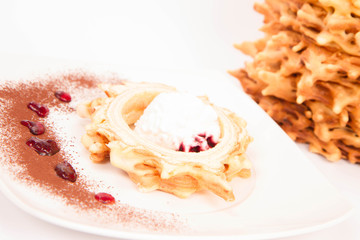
{"x":175,"y":120}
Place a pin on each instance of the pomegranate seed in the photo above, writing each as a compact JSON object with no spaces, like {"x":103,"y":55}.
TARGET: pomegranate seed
{"x":203,"y":135}
{"x":35,"y":128}
{"x":211,"y":142}
{"x":182,"y":147}
{"x":43,"y":147}
{"x":41,"y":110}
{"x":66,"y":171}
{"x":105,"y":198}
{"x":63,"y":96}
{"x":202,"y":143}
{"x":195,"y":149}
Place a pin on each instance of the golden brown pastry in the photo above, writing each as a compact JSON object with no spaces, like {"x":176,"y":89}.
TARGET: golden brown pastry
{"x":305,"y":72}
{"x":152,"y":166}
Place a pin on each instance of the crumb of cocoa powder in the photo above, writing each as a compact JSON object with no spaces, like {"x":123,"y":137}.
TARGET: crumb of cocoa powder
{"x":25,"y":165}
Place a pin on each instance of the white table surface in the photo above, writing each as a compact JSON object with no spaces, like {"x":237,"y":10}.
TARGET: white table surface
{"x":182,"y":34}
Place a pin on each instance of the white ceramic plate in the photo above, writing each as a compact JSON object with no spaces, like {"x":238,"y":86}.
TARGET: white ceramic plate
{"x":286,"y":196}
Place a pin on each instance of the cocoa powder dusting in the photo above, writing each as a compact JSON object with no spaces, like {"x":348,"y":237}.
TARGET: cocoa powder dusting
{"x":34,"y":169}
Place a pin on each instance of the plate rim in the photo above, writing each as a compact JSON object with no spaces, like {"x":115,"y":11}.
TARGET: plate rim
{"x":96,"y":230}
{"x":47,"y":217}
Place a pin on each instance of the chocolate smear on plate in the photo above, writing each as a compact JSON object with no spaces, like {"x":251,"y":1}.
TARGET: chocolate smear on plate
{"x":28,"y":167}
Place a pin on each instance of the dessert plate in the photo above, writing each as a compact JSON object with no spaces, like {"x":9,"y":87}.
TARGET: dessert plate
{"x":285,"y":196}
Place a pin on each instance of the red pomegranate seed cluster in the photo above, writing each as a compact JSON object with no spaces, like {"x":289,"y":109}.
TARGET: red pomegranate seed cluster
{"x":48,"y":147}
{"x":203,"y":142}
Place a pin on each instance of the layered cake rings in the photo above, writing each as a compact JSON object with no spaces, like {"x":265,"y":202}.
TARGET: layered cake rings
{"x":305,"y":72}
{"x":111,"y":135}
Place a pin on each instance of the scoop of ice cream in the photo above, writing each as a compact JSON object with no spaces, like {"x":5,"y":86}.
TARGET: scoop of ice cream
{"x":179,"y":121}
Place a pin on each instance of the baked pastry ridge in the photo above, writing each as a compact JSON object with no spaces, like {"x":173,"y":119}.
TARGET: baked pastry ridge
{"x":110,"y":135}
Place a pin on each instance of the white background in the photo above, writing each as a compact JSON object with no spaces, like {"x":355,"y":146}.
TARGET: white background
{"x":170,"y":34}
